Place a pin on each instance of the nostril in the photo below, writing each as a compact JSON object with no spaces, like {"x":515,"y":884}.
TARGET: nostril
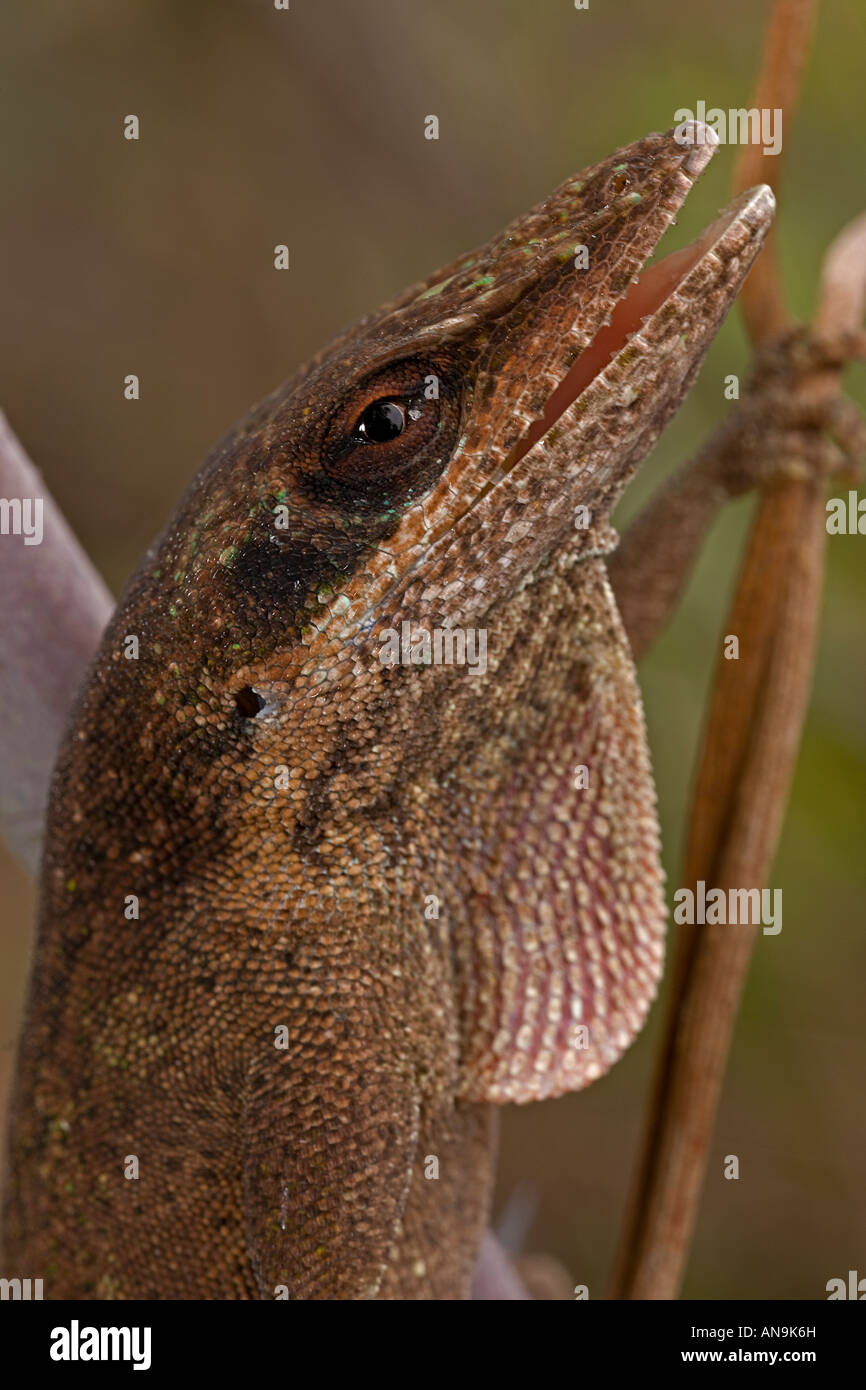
{"x":249,"y":702}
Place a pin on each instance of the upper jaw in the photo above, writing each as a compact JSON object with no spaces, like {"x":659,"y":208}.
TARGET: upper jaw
{"x":619,"y":209}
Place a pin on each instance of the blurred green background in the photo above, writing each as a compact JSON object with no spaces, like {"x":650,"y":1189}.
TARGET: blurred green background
{"x":306,"y":127}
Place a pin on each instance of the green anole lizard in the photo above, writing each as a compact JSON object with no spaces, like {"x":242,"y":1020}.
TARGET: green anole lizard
{"x":256,"y":1062}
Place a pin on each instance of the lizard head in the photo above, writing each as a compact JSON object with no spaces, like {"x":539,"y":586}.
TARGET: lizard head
{"x":472,"y":416}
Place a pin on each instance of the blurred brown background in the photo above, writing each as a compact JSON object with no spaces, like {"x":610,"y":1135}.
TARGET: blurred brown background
{"x":306,"y":127}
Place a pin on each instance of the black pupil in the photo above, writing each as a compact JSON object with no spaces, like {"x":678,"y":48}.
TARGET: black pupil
{"x":381,"y":421}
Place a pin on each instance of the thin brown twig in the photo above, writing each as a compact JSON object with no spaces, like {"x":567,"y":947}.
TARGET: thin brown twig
{"x":725,"y":852}
{"x":786,"y":48}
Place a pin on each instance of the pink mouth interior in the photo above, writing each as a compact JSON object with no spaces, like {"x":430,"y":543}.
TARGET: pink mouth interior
{"x":642,"y":298}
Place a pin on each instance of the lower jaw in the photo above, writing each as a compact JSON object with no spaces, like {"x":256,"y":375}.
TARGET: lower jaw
{"x":643,"y":298}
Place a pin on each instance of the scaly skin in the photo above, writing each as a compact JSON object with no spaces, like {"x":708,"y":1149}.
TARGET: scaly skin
{"x":286,"y":808}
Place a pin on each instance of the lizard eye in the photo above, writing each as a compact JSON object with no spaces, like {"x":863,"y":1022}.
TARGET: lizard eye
{"x":393,"y":436}
{"x":381,"y":421}
{"x":390,"y":437}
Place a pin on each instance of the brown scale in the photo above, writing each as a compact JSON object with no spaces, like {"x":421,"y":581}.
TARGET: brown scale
{"x":284,"y":806}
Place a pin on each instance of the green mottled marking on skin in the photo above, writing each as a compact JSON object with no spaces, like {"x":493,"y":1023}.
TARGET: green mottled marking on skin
{"x":227,"y":556}
{"x":172,"y":608}
{"x":482,"y":280}
{"x":635,"y":197}
{"x":434,"y":290}
{"x":618,"y":168}
{"x":578,"y":186}
{"x":71,"y":885}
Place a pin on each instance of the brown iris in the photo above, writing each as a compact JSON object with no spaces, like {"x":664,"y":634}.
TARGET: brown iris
{"x":389,"y":432}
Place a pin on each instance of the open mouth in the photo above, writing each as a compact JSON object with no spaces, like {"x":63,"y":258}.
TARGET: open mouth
{"x":645,"y":297}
